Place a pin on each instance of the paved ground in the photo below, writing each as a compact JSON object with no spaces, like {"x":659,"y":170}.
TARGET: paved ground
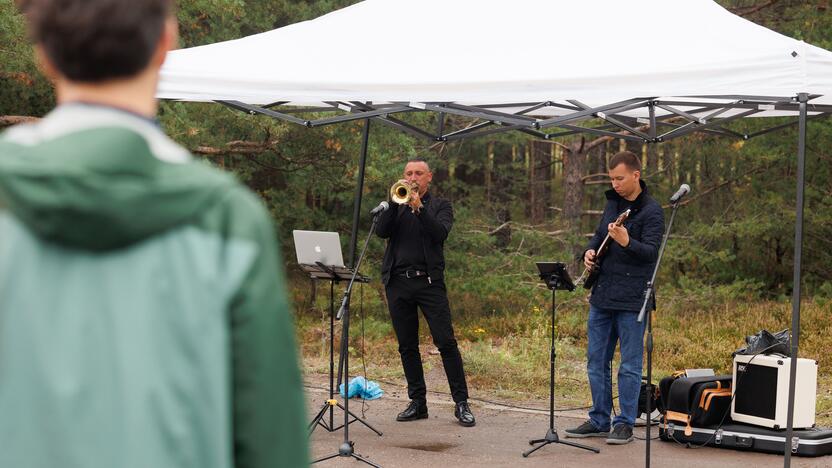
{"x":498,"y":440}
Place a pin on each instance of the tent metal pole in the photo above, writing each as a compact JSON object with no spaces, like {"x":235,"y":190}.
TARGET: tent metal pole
{"x":648,"y":417}
{"x":405,"y":127}
{"x":250,"y":109}
{"x":510,"y":119}
{"x":440,"y":124}
{"x":466,"y":130}
{"x":490,"y":131}
{"x":712,"y":131}
{"x":798,"y":252}
{"x":473,"y":128}
{"x":613,"y":121}
{"x":357,"y":115}
{"x":754,"y":97}
{"x":587,"y":113}
{"x":488,"y":112}
{"x":696,"y":126}
{"x":598,"y":131}
{"x":359,"y":191}
{"x":777,"y":105}
{"x":778,"y":127}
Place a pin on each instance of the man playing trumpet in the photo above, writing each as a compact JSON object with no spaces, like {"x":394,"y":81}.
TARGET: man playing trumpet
{"x":413,"y":275}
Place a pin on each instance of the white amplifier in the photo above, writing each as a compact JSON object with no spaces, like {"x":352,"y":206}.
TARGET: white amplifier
{"x":761,"y":391}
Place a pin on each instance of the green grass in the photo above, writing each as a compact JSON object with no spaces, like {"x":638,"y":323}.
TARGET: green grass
{"x":506,"y":350}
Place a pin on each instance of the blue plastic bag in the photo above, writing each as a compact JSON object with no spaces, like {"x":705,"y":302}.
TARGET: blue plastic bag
{"x":362,"y":388}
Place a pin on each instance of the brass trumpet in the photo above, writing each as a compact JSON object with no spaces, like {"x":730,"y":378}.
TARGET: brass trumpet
{"x":402,"y":191}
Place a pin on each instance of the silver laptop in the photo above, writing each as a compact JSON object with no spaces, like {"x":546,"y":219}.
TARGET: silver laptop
{"x":318,"y":246}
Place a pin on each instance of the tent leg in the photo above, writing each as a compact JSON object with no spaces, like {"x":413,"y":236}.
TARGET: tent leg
{"x":798,"y":252}
{"x":359,"y":191}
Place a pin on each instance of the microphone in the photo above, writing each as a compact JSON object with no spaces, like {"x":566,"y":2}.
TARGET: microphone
{"x":381,"y":208}
{"x":683,"y":190}
{"x":341,"y":309}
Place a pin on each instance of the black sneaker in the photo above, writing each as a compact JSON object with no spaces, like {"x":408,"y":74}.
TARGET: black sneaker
{"x":586,"y":429}
{"x":415,"y":410}
{"x":621,"y":434}
{"x":464,"y":415}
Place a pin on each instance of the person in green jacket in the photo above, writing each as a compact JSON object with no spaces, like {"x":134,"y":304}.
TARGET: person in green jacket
{"x":143,"y":312}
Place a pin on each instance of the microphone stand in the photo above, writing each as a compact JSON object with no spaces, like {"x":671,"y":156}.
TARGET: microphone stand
{"x":346,"y":448}
{"x":648,"y":294}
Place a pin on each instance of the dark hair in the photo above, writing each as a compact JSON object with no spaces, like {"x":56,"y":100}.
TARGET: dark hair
{"x":627,"y":158}
{"x":419,"y":159}
{"x":97,"y":40}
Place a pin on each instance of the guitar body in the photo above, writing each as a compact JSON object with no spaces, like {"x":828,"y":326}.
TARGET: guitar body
{"x":592,"y":274}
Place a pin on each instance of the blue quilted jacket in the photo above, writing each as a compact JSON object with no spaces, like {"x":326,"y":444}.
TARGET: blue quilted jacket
{"x":625,"y":272}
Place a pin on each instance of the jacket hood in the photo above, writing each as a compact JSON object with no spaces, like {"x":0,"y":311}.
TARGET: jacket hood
{"x":98,"y":178}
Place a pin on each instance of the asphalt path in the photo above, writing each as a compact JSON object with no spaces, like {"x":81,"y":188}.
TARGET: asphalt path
{"x":500,"y":436}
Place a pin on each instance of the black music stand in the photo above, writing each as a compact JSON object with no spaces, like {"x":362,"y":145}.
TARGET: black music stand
{"x":334,"y":274}
{"x":347,"y":448}
{"x":555,"y":276}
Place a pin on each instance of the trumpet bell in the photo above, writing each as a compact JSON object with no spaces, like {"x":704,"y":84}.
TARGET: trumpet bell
{"x":401,"y":192}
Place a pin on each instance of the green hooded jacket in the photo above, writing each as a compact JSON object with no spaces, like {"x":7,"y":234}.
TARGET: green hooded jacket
{"x":143,"y":313}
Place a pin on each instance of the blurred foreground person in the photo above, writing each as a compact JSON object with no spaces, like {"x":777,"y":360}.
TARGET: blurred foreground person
{"x":143,"y":312}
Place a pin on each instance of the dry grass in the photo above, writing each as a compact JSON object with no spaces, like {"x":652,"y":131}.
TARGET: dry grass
{"x":506,"y":353}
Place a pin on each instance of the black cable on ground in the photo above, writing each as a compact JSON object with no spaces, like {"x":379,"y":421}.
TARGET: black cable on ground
{"x":483,"y":400}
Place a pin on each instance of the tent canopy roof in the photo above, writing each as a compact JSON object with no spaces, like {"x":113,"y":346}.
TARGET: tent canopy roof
{"x":484,"y":52}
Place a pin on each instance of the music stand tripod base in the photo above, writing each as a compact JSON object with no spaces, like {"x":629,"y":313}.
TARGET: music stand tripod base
{"x":332,"y":274}
{"x":555,"y":276}
{"x":346,"y":450}
{"x":319,"y":418}
{"x":552,"y":438}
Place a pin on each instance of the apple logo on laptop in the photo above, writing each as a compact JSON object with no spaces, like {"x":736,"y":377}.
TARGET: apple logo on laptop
{"x":317,"y":249}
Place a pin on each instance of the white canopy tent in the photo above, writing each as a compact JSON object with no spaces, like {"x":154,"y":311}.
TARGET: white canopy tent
{"x":479,"y":52}
{"x":536,"y":66}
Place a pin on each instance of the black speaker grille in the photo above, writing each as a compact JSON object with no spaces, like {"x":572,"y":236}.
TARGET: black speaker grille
{"x":756,"y":392}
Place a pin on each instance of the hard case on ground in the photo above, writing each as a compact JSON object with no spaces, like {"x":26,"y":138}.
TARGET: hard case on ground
{"x":812,"y":442}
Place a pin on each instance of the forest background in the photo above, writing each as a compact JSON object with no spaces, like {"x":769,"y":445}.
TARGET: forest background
{"x":727,"y":271}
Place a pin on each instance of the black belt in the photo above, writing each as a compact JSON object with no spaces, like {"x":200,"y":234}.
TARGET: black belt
{"x":413,"y":273}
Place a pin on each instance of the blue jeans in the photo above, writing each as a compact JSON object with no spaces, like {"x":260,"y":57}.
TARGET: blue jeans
{"x":606,"y":328}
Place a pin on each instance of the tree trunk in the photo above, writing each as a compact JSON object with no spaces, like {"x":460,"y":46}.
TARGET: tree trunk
{"x":573,"y":196}
{"x":637,"y":148}
{"x":530,"y":192}
{"x":668,"y":163}
{"x":489,"y":168}
{"x":601,"y":161}
{"x":652,"y":158}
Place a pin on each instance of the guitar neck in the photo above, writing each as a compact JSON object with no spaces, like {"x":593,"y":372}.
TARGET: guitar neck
{"x":602,"y":248}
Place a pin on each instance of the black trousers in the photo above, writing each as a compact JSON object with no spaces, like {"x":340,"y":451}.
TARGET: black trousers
{"x":404,"y":295}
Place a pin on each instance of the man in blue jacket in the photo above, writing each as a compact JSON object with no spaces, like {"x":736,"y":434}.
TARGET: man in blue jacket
{"x":617,"y":297}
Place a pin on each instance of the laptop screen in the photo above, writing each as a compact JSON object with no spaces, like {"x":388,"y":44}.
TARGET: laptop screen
{"x":318,"y":246}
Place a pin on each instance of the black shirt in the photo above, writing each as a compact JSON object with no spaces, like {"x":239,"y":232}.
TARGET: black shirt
{"x":436,"y":219}
{"x":409,"y":253}
{"x":623,"y":205}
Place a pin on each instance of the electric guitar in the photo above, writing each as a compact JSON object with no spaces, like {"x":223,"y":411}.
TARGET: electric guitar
{"x":591,"y":274}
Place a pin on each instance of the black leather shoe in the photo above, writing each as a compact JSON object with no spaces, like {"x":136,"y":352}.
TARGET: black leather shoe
{"x":415,"y":410}
{"x":464,"y":415}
